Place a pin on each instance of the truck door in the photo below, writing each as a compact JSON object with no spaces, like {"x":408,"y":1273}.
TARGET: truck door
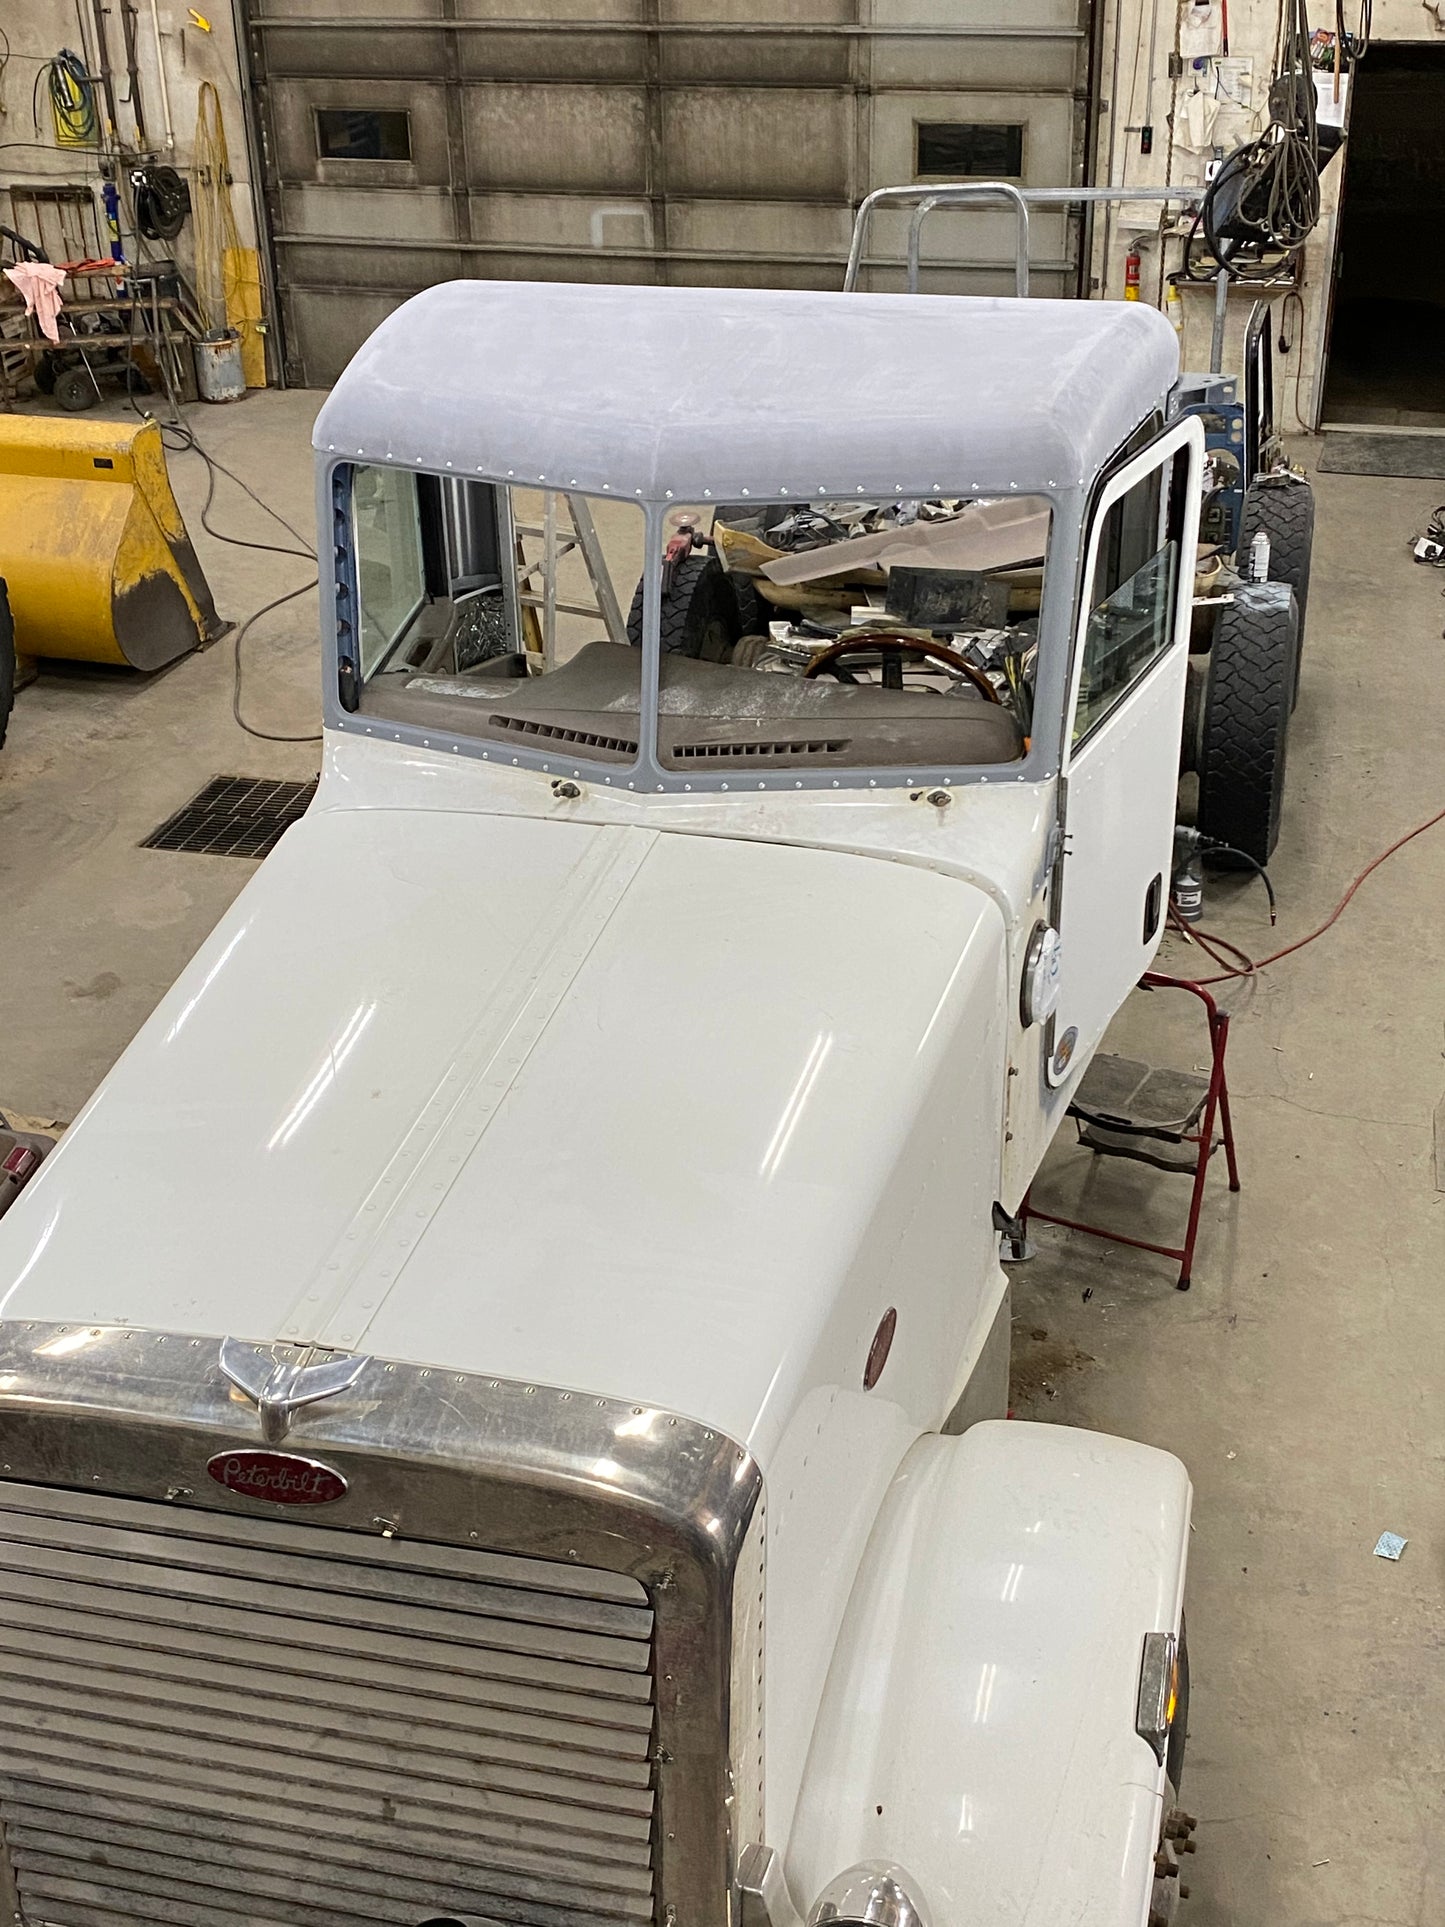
{"x":1121,"y":745}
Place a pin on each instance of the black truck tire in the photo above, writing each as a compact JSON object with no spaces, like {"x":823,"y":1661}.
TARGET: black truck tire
{"x":1179,"y":1732}
{"x":1247,"y":705}
{"x":700,"y":616}
{"x":1285,"y":511}
{"x":753,"y":611}
{"x":7,"y":661}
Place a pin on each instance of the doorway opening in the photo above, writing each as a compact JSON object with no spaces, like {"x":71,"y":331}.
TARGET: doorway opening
{"x":1386,"y":364}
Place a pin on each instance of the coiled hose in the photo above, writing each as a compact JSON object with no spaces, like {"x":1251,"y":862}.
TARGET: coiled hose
{"x":72,"y":99}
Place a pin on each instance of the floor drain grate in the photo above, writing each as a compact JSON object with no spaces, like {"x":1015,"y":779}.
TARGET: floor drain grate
{"x":233,"y":816}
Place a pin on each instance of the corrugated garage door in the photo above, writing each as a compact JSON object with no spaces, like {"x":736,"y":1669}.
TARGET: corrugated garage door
{"x":405,"y":142}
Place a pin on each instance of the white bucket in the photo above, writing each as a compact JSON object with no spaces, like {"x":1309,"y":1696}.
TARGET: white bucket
{"x":218,"y":368}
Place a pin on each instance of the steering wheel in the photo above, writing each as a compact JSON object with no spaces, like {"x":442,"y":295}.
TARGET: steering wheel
{"x":829,"y":661}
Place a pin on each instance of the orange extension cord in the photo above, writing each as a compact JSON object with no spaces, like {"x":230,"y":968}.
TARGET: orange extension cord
{"x":1247,"y":966}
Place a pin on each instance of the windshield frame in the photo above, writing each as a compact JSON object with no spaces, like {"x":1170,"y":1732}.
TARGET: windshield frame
{"x":1041,"y":760}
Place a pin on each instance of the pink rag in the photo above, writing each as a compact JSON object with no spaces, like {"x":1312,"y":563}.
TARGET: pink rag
{"x":40,"y":285}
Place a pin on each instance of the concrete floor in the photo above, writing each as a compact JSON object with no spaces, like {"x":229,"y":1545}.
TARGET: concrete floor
{"x":1301,"y":1380}
{"x":94,"y":929}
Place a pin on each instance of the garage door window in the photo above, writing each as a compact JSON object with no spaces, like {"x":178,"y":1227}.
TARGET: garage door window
{"x":962,"y":149}
{"x":361,"y":134}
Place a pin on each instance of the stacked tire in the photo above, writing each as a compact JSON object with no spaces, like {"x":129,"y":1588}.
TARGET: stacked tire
{"x":1252,"y":684}
{"x":1244,"y":734}
{"x":1282,"y":508}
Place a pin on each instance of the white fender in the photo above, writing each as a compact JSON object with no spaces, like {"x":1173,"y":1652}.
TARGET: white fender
{"x":978,"y":1728}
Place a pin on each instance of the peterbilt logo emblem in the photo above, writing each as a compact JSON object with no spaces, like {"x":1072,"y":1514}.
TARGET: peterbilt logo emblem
{"x":282,"y":1478}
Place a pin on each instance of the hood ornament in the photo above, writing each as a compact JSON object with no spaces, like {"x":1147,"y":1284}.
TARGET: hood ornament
{"x":280,"y":1387}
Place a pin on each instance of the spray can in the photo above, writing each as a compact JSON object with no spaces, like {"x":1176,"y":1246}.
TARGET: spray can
{"x":1131,"y":275}
{"x":1188,"y":891}
{"x":1174,"y":309}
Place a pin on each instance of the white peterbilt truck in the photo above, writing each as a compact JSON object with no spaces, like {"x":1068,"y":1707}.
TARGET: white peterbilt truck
{"x":503,"y":1389}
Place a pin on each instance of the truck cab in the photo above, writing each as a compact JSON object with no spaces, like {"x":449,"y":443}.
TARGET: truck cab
{"x":503,"y":1390}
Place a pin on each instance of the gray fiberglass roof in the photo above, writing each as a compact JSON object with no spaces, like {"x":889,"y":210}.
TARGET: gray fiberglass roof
{"x":691,"y":393}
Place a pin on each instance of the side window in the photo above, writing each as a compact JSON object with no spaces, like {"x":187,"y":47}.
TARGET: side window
{"x":391,"y":575}
{"x":1131,"y":600}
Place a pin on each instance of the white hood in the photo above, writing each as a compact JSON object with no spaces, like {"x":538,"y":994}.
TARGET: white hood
{"x":594,"y":1107}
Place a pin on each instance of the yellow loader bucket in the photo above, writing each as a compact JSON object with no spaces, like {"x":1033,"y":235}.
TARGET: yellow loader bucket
{"x":92,"y":545}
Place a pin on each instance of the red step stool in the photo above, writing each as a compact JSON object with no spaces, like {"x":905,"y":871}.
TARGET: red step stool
{"x":1123,"y":1108}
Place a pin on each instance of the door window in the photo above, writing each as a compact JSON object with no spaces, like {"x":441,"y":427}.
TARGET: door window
{"x":1131,"y":602}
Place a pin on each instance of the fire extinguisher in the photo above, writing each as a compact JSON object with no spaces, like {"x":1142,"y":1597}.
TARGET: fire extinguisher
{"x":1131,"y":275}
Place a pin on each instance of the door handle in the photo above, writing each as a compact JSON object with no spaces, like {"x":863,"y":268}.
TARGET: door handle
{"x":1153,"y":903}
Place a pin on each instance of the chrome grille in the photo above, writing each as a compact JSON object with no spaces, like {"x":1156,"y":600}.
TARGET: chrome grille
{"x":208,"y":1719}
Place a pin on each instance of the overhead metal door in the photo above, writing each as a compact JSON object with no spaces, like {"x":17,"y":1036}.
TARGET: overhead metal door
{"x":404,"y":142}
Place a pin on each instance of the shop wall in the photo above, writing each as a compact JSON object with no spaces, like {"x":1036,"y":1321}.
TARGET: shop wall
{"x":1208,"y":108}
{"x":187,"y":52}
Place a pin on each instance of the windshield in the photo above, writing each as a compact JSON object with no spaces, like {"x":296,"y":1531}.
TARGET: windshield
{"x":485,"y":612}
{"x":851,"y":635}
{"x":847,"y":636}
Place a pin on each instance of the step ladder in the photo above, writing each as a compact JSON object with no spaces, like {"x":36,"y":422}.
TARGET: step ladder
{"x":1157,"y":1116}
{"x":566,"y":529}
